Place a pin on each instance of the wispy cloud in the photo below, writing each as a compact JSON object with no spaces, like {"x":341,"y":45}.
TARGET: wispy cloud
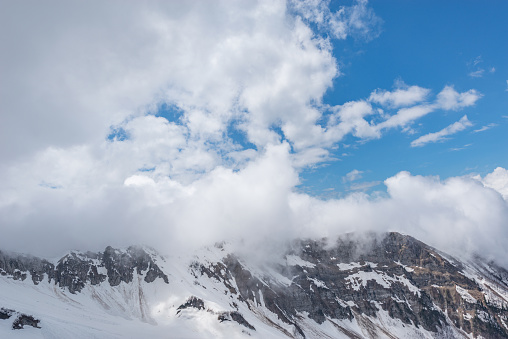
{"x":476,"y":71}
{"x":477,"y":74}
{"x":486,"y":127}
{"x":357,"y":20}
{"x":355,"y":175}
{"x":455,"y":149}
{"x":363,"y":186}
{"x":458,"y":126}
{"x":352,"y":176}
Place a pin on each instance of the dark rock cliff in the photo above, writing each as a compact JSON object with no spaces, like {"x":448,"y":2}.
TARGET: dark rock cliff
{"x":75,"y":270}
{"x":354,"y":277}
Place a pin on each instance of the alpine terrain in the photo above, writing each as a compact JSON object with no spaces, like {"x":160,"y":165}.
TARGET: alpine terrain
{"x":358,"y":286}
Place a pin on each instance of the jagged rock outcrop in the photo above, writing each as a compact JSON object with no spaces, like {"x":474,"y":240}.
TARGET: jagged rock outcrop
{"x":235,"y":316}
{"x":6,"y":313}
{"x":21,"y":320}
{"x":122,"y":265}
{"x":75,"y":269}
{"x":396,"y":273}
{"x":196,"y":303}
{"x":192,"y":302}
{"x":25,"y":320}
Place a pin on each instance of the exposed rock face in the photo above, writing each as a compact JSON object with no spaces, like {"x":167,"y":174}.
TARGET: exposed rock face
{"x":75,"y":270}
{"x":25,"y":320}
{"x":235,"y":316}
{"x":357,"y":279}
{"x":398,"y":274}
{"x":18,"y":266}
{"x":121,"y":265}
{"x":5,"y":313}
{"x":198,"y":304}
{"x":193,"y":302}
{"x":21,"y":319}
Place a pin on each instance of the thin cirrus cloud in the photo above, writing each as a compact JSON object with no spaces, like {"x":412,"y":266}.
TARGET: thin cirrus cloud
{"x":485,"y":128}
{"x":363,"y":186}
{"x":477,"y":74}
{"x":441,"y":135}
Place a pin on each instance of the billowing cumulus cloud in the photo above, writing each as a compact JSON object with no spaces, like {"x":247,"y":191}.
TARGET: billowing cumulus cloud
{"x":497,"y":180}
{"x":459,"y":215}
{"x":88,"y":209}
{"x":177,"y":124}
{"x":67,"y":79}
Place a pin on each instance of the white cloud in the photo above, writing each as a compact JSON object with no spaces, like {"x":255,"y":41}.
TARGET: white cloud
{"x":412,"y":96}
{"x":352,"y":176}
{"x":400,"y":97}
{"x":406,"y":116}
{"x":350,"y":118}
{"x":477,"y":60}
{"x":441,"y":135}
{"x":101,"y":202}
{"x":450,"y":99}
{"x":363,"y":186}
{"x":357,"y":20}
{"x":477,"y":74}
{"x":485,"y":128}
{"x":244,"y":66}
{"x":497,"y":180}
{"x":455,"y":149}
{"x":362,"y":21}
{"x":458,"y":215}
{"x":139,"y":180}
{"x":213,"y":61}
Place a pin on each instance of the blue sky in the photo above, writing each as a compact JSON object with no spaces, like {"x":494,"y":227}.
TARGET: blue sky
{"x":430,"y":44}
{"x":163,"y":121}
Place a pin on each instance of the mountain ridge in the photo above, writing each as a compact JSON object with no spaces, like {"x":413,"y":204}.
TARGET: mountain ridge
{"x":372,"y":286}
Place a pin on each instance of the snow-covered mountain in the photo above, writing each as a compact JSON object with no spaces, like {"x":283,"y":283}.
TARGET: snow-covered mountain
{"x":368,"y":286}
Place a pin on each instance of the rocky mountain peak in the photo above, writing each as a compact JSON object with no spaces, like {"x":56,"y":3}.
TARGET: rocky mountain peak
{"x":356,"y":286}
{"x":75,"y":270}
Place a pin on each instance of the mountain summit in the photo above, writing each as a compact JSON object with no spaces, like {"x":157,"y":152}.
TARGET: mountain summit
{"x":359,"y":286}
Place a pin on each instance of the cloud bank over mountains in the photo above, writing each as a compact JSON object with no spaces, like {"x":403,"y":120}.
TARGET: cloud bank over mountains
{"x":170,"y":123}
